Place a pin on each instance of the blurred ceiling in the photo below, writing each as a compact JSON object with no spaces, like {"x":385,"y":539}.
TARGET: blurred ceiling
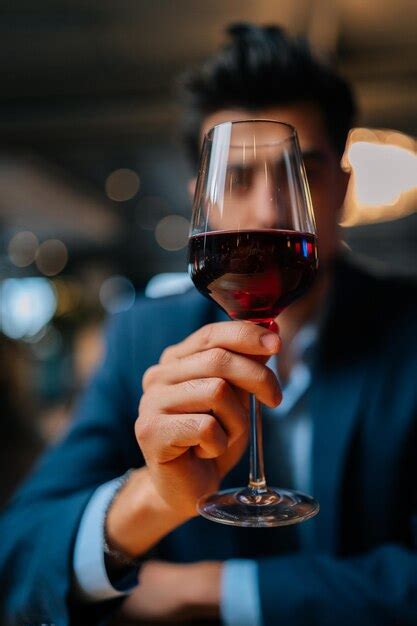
{"x":87,"y":87}
{"x":35,"y":196}
{"x":100,"y":69}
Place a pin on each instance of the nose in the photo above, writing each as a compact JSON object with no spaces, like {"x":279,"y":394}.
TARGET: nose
{"x":264,"y":200}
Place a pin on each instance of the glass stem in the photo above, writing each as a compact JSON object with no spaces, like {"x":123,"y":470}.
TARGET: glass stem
{"x":257,"y":482}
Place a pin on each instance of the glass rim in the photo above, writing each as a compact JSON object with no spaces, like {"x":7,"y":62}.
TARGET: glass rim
{"x":193,"y":234}
{"x":290,"y":127}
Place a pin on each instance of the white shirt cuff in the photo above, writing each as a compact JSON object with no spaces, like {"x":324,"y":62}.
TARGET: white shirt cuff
{"x":240,"y":603}
{"x":89,"y":567}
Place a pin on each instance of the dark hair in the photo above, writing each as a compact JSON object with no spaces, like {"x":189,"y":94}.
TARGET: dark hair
{"x":262,"y":66}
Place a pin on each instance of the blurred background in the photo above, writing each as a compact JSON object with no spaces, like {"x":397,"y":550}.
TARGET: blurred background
{"x":93,"y":182}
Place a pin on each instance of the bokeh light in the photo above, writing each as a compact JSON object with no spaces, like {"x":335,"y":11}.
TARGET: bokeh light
{"x":382,"y":172}
{"x":26,"y":306}
{"x":51,"y":257}
{"x":122,"y":184}
{"x":22,"y":248}
{"x":69,"y":295}
{"x":172,"y":231}
{"x":383,"y":184}
{"x":168,"y":284}
{"x":48,"y":343}
{"x":117,"y":294}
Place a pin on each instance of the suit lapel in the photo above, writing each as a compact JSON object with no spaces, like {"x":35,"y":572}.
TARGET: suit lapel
{"x":338,"y":381}
{"x":335,"y":400}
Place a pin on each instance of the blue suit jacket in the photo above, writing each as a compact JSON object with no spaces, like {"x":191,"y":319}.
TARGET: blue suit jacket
{"x":358,"y":563}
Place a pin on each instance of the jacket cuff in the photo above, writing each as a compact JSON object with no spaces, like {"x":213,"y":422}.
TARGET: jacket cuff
{"x":91,"y":576}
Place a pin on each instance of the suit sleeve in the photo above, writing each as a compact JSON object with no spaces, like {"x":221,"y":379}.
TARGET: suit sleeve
{"x":40,"y":526}
{"x":375,"y":589}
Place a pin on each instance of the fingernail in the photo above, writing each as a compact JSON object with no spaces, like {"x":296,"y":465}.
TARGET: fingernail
{"x":273,"y":327}
{"x":270,"y":341}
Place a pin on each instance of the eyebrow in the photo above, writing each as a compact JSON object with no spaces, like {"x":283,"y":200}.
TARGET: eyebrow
{"x":311,"y":154}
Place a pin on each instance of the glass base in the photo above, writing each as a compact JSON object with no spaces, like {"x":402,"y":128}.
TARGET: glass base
{"x":243,"y":507}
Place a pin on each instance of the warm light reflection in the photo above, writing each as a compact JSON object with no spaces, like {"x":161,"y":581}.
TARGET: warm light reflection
{"x":122,"y":184}
{"x":68,"y":295}
{"x":51,"y":257}
{"x":382,"y":172}
{"x":22,"y":248}
{"x":384,"y":176}
{"x":172,"y":231}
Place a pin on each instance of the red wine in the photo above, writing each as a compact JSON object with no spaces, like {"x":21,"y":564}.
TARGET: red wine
{"x":253,"y":274}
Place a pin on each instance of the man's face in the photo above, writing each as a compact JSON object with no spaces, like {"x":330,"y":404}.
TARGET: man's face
{"x":327,"y":181}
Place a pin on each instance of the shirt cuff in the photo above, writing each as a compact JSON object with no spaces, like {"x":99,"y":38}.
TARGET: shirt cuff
{"x":240,"y":603}
{"x":89,"y":565}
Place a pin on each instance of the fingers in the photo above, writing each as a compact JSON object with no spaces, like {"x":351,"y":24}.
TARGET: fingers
{"x":163,"y":438}
{"x":240,"y":371}
{"x":193,"y":397}
{"x":242,"y":337}
{"x":205,"y":395}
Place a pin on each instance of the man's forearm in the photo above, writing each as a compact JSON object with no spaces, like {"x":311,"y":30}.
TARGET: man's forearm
{"x":138,"y":517}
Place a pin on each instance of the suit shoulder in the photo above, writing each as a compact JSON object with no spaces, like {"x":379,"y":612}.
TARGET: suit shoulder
{"x":379,"y":291}
{"x":145,"y":309}
{"x":143,"y":332}
{"x":396,"y":295}
{"x":392,"y":304}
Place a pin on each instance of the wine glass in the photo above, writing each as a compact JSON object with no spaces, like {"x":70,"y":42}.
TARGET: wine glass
{"x":253,"y":250}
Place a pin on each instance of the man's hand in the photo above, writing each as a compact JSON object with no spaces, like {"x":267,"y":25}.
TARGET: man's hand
{"x":193,"y":416}
{"x":170,"y":592}
{"x":192,"y":427}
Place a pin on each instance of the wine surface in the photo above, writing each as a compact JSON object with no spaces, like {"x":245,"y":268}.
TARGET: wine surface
{"x":253,"y":274}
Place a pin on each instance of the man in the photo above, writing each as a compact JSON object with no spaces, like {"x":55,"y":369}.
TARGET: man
{"x":346,"y":431}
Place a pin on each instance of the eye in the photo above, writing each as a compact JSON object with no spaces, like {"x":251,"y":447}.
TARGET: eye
{"x":280,"y":172}
{"x":239,"y":179}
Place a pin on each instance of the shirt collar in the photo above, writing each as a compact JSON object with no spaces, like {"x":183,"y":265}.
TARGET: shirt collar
{"x":300,"y":376}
